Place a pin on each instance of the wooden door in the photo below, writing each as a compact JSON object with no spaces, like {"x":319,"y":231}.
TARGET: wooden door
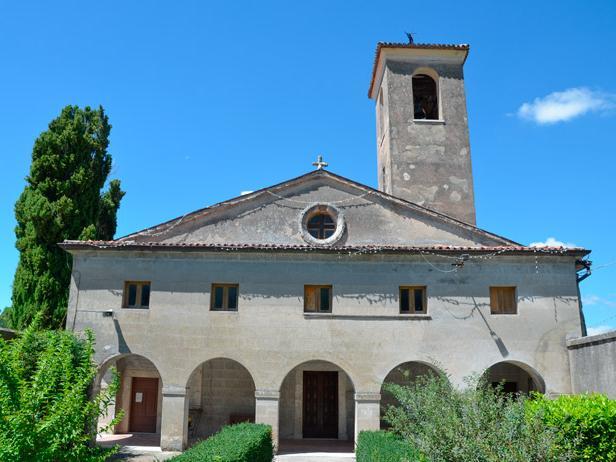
{"x":320,"y":404}
{"x":143,"y":404}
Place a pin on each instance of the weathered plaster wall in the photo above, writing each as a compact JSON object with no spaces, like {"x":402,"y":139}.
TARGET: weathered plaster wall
{"x":593,"y":363}
{"x":271,"y":220}
{"x":364,"y":336}
{"x":428,"y":162}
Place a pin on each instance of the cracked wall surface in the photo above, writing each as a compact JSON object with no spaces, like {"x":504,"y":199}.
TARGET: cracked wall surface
{"x":423,"y":161}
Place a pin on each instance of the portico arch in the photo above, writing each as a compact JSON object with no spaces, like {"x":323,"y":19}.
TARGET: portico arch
{"x":221,"y":391}
{"x":317,"y":401}
{"x":404,"y":374}
{"x":139,"y":395}
{"x":515,"y":377}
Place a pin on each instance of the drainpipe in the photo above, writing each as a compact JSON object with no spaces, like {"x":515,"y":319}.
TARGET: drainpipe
{"x":582,"y":265}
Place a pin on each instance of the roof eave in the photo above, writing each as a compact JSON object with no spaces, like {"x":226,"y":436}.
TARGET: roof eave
{"x":76,"y":246}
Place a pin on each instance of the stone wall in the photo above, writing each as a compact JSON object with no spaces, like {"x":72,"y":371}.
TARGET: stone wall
{"x":593,"y":363}
{"x":428,"y":162}
{"x":221,"y":391}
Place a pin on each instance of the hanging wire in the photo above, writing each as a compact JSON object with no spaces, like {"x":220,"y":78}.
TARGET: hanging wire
{"x":612,"y":263}
{"x":342,"y":201}
{"x":453,"y":270}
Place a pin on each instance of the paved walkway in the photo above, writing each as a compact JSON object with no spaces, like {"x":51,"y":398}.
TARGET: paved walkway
{"x":136,"y":447}
{"x":145,"y":447}
{"x":315,"y":451}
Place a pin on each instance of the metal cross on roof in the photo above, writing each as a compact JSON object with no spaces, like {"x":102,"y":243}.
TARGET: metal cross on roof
{"x":319,"y":164}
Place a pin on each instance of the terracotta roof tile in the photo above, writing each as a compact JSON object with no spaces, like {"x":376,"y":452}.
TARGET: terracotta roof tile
{"x":132,"y":245}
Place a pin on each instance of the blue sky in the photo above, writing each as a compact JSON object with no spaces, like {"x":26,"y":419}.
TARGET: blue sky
{"x":209,"y":99}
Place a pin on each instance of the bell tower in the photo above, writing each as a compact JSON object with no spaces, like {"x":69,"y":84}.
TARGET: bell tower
{"x":422,"y":126}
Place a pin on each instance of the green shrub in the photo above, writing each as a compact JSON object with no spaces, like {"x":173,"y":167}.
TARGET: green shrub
{"x":477,"y":423}
{"x":385,"y":447}
{"x":244,"y":442}
{"x":46,"y":414}
{"x":586,"y":424}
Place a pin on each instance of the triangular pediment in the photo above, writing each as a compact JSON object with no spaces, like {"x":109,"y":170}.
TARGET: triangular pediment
{"x":273,"y":216}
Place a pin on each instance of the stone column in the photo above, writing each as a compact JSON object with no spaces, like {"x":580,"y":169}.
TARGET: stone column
{"x":367,"y":412}
{"x":174,"y":425}
{"x":266,"y":410}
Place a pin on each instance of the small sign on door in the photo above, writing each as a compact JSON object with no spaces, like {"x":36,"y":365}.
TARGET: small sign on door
{"x":138,"y":397}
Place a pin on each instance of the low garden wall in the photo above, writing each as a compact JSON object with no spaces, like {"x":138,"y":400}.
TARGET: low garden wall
{"x":593,"y":364}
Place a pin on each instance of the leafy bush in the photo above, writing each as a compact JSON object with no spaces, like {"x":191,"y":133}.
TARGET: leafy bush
{"x":46,"y":414}
{"x":244,"y":442}
{"x":385,"y":447}
{"x":586,"y":424}
{"x":477,"y":423}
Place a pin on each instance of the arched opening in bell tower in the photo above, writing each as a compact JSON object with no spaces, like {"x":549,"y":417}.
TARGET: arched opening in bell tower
{"x":425,"y":99}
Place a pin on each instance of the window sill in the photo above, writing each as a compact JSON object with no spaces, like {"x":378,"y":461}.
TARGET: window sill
{"x":369,"y":317}
{"x":225,"y":311}
{"x":429,"y":121}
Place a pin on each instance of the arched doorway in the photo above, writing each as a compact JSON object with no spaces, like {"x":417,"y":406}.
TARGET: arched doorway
{"x":515,"y":377}
{"x":221,"y":392}
{"x":139,"y":395}
{"x":316,"y":401}
{"x":403,"y":374}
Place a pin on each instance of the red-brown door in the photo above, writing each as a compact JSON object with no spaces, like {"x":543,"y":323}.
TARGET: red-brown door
{"x":320,"y":404}
{"x":143,"y":404}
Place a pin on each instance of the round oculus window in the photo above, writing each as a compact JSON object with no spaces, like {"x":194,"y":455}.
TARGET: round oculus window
{"x":321,"y":224}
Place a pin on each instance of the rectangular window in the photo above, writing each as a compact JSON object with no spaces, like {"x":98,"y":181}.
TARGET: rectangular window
{"x":503,"y":300}
{"x":224,"y":297}
{"x":413,"y":299}
{"x":136,"y":294}
{"x":317,"y":299}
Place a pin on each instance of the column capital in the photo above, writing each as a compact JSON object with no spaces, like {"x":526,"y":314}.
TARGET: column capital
{"x":367,"y":396}
{"x":173,"y":390}
{"x":267,"y":394}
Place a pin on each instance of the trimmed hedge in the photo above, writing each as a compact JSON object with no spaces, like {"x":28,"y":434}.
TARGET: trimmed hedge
{"x":244,"y":442}
{"x":585,"y":423}
{"x":381,"y":446}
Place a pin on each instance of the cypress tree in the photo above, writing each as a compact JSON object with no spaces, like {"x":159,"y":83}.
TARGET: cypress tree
{"x":62,"y":200}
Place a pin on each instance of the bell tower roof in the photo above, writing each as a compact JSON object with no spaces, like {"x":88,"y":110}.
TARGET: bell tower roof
{"x":422,"y":52}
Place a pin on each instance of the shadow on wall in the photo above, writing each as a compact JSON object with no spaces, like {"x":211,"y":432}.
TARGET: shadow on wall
{"x":317,"y":401}
{"x":139,"y":395}
{"x":515,"y":377}
{"x":221,"y":392}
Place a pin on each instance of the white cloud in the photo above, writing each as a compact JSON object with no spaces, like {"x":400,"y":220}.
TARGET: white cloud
{"x":243,"y":193}
{"x":561,"y":106}
{"x":593,"y":300}
{"x":596,"y":330}
{"x":552,"y":242}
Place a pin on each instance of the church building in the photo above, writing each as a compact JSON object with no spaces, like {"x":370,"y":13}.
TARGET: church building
{"x":293,"y":305}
